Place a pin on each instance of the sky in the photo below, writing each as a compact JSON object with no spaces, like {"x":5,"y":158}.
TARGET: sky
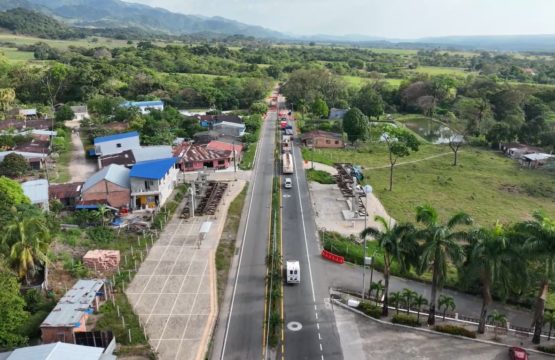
{"x":397,"y":19}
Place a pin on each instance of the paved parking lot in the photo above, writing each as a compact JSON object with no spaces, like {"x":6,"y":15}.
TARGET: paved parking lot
{"x":362,"y":338}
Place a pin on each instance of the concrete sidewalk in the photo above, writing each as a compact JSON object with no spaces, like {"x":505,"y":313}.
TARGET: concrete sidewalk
{"x":174,"y":291}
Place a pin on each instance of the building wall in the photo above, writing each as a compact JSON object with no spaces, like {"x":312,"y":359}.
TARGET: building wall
{"x":54,"y":334}
{"x":111,"y":147}
{"x":163,"y":187}
{"x":199,"y":165}
{"x":116,"y":195}
{"x":324,"y":142}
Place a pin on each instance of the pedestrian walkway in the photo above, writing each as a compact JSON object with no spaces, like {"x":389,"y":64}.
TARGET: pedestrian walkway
{"x":174,"y":291}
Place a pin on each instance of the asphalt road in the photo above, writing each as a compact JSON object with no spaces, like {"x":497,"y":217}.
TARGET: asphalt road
{"x":306,"y":303}
{"x":243,"y":334}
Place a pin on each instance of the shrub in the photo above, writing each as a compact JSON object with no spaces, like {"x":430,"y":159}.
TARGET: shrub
{"x":455,"y":330}
{"x":405,"y":319}
{"x":101,"y":235}
{"x":319,"y":176}
{"x":546,"y":349}
{"x":370,"y":309}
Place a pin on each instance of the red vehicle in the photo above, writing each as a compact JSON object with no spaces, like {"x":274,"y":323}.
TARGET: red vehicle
{"x":517,"y":353}
{"x":283,"y":124}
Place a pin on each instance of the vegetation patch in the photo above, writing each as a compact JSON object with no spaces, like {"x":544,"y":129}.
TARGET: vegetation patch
{"x":319,"y":176}
{"x":404,"y":319}
{"x":547,"y":349}
{"x":370,"y":309}
{"x":455,"y":330}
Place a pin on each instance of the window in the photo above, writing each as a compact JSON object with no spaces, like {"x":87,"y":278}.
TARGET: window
{"x":221,"y":162}
{"x":118,"y":145}
{"x":295,"y":272}
{"x":336,"y":142}
{"x":328,"y":142}
{"x":290,"y":272}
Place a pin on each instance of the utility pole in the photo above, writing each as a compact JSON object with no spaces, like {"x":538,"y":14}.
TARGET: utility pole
{"x":234,"y":161}
{"x":367,"y":190}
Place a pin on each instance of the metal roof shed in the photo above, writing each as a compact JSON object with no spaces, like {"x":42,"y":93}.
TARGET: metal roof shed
{"x":153,"y":169}
{"x":57,"y":351}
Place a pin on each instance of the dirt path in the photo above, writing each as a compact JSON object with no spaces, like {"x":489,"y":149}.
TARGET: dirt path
{"x":80,"y":168}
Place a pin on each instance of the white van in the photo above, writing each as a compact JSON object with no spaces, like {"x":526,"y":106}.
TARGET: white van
{"x":288,"y":183}
{"x":293,"y":272}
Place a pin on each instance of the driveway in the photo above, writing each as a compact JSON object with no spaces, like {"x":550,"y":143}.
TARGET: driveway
{"x":80,"y":168}
{"x":362,"y":338}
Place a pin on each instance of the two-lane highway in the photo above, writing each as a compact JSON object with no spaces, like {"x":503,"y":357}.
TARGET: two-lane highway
{"x":243,"y":334}
{"x":306,"y":303}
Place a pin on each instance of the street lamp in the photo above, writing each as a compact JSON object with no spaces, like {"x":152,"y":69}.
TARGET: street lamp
{"x":367,"y":190}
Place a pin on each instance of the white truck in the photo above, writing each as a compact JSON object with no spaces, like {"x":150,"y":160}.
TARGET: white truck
{"x":287,"y":163}
{"x":293,"y":272}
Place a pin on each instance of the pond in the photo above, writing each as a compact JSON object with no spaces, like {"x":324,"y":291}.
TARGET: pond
{"x":433,"y":131}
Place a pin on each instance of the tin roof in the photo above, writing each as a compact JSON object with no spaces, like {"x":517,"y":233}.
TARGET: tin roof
{"x":74,"y":304}
{"x":189,"y":152}
{"x":36,"y":190}
{"x":116,"y":174}
{"x":148,"y":153}
{"x":57,"y":351}
{"x":124,"y":158}
{"x":143,"y":103}
{"x":125,"y":135}
{"x":153,"y":169}
{"x":64,"y":191}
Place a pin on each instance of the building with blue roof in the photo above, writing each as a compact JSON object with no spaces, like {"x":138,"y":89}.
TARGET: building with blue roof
{"x":152,"y":182}
{"x":117,"y":143}
{"x":145,"y":106}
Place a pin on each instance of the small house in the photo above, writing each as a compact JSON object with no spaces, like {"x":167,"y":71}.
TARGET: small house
{"x":517,"y":150}
{"x":37,"y":192}
{"x":80,"y":112}
{"x":145,"y":106}
{"x":70,"y":314}
{"x":533,"y":161}
{"x":152,"y":182}
{"x":109,"y":186}
{"x":230,"y":128}
{"x":60,"y":351}
{"x":235,"y":148}
{"x":130,"y":157}
{"x":67,"y":194}
{"x":208,"y":121}
{"x":322,"y":139}
{"x":198,"y":157}
{"x":117,"y":143}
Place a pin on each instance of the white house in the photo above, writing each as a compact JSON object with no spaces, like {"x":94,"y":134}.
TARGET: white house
{"x":37,"y":192}
{"x":80,"y":112}
{"x":117,"y":143}
{"x":145,"y":106}
{"x":152,"y":182}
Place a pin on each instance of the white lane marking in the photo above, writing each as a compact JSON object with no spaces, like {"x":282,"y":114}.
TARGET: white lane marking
{"x":319,"y":336}
{"x":316,"y":315}
{"x":318,"y":326}
{"x":258,"y":148}
{"x":304,"y":232}
{"x":321,"y":347}
{"x":322,"y":357}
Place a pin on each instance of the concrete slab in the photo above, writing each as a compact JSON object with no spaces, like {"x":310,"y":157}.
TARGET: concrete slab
{"x":176,"y":326}
{"x":155,"y":325}
{"x":164,"y":305}
{"x":188,"y":349}
{"x":184,"y":304}
{"x":155,"y":284}
{"x":191,"y":284}
{"x":168,"y":349}
{"x":173,"y":284}
{"x":202,"y":305}
{"x":194,"y":327}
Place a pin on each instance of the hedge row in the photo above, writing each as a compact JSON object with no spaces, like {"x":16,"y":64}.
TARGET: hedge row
{"x":405,"y":319}
{"x":455,"y":330}
{"x":370,"y":309}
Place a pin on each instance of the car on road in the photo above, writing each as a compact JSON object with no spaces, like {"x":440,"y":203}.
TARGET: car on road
{"x":288,"y":183}
{"x":517,"y":353}
{"x":293,"y":271}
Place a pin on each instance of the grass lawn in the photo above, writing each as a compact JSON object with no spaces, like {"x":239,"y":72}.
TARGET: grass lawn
{"x":486,"y":184}
{"x":319,"y":176}
{"x":395,"y":51}
{"x":14,"y":55}
{"x":62,"y":44}
{"x":358,"y":82}
{"x":438,"y":70}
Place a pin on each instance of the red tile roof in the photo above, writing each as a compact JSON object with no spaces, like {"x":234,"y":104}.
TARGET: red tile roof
{"x":195,"y":153}
{"x":224,"y":146}
{"x":64,"y":191}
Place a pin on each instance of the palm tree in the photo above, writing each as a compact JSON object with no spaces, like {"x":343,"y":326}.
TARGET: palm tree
{"x":27,"y":239}
{"x":447,"y":303}
{"x":408,"y":295}
{"x":440,"y":246}
{"x":496,"y":260}
{"x":419,"y":301}
{"x":104,"y":213}
{"x":549,"y":318}
{"x":397,"y":244}
{"x":498,"y":320}
{"x":540,"y":242}
{"x":396,"y":299}
{"x":379,"y":288}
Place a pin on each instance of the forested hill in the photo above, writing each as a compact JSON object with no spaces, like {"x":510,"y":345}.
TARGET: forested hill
{"x":119,"y":14}
{"x":28,"y":22}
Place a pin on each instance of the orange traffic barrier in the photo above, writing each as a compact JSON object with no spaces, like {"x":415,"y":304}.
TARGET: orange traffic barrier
{"x":331,"y":256}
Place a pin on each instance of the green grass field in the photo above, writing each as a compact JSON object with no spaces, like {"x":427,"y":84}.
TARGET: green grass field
{"x":61,"y":44}
{"x":358,"y":82}
{"x":14,"y":55}
{"x":486,"y":184}
{"x":438,"y":70}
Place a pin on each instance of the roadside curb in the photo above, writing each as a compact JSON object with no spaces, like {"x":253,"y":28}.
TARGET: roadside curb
{"x":417,"y":329}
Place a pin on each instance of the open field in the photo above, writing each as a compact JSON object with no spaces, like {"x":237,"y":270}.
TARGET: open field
{"x":356,"y":81}
{"x":486,"y":184}
{"x":438,"y":70}
{"x":62,"y":44}
{"x":14,"y":55}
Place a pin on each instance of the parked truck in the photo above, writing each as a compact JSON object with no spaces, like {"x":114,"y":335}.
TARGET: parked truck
{"x":287,"y":163}
{"x":286,"y":143}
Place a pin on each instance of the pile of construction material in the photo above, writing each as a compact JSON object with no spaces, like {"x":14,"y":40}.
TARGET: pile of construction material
{"x":102,"y":260}
{"x":210,"y":198}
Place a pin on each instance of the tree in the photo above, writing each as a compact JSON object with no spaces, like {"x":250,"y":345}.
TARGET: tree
{"x":12,"y":311}
{"x":379,"y":288}
{"x":355,"y":124}
{"x":396,"y":299}
{"x":440,"y":245}
{"x":64,"y":113}
{"x":105,"y":214}
{"x":408,"y":296}
{"x":7,"y":97}
{"x":27,"y":238}
{"x":419,"y":301}
{"x":53,"y":80}
{"x":498,"y":320}
{"x":258,"y":107}
{"x":495,"y":260}
{"x":400,"y":143}
{"x":475,"y":114}
{"x":397,"y":244}
{"x":447,"y":303}
{"x":369,"y":101}
{"x":14,"y":166}
{"x":320,"y":108}
{"x":11,"y":193}
{"x":540,"y":242}
{"x":549,"y":318}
